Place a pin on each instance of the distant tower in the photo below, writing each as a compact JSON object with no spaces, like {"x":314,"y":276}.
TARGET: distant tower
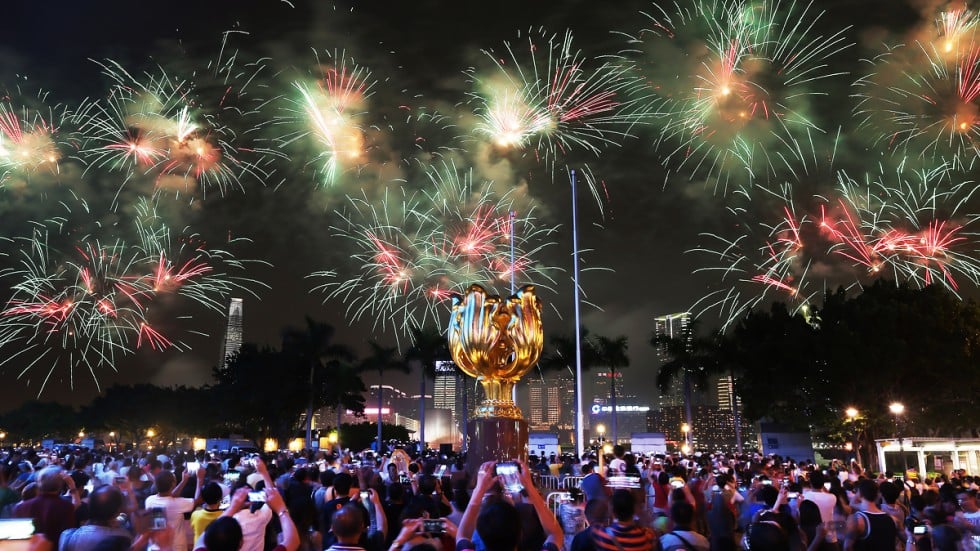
{"x":233,"y":333}
{"x":672,"y":326}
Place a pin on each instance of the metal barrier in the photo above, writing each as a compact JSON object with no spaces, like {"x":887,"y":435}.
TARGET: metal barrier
{"x":554,"y":501}
{"x":572,"y":482}
{"x":549,"y":482}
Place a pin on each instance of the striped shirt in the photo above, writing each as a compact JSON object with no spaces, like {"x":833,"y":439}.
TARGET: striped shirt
{"x":620,"y":537}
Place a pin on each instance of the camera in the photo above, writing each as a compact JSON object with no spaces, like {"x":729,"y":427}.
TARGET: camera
{"x":434,"y":525}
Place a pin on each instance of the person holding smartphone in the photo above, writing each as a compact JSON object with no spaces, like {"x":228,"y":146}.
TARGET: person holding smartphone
{"x":175,"y":507}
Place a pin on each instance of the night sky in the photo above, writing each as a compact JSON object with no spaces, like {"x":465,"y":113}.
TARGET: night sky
{"x":418,"y":52}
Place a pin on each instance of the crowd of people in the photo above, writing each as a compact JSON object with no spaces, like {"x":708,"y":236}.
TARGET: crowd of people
{"x":82,"y":500}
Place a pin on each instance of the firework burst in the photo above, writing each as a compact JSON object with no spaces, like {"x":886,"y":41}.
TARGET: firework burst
{"x":188,"y":134}
{"x":80,"y":301}
{"x":545,"y":95}
{"x":324,"y":121}
{"x":415,"y":249}
{"x":735,"y":84}
{"x":31,"y":138}
{"x":908,"y":226}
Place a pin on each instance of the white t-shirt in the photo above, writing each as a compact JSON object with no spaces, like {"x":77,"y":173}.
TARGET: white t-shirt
{"x":617,"y":466}
{"x":826,"y":503}
{"x":175,"y":508}
{"x":253,"y":527}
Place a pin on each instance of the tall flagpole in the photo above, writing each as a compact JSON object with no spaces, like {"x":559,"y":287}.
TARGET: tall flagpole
{"x":513,"y":285}
{"x":579,"y":432}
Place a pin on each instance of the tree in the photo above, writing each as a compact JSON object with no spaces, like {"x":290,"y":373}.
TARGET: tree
{"x":611,"y":353}
{"x":345,"y":389}
{"x":689,"y":357}
{"x":428,"y":346}
{"x":262,"y":391}
{"x":314,"y":346}
{"x":560,"y":355}
{"x":35,"y":421}
{"x":382,"y":359}
{"x":889,"y":343}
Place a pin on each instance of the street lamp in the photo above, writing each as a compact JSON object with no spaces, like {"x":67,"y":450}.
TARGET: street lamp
{"x":601,"y":431}
{"x":897,"y":409}
{"x":852,"y":415}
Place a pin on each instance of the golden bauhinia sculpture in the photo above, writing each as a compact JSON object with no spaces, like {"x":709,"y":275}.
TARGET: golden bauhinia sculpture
{"x":497,"y":340}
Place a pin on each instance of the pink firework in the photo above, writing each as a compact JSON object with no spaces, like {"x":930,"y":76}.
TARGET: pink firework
{"x":153,"y":338}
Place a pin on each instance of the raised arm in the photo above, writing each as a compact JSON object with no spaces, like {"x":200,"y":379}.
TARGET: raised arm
{"x":484,"y":479}
{"x":547,"y":518}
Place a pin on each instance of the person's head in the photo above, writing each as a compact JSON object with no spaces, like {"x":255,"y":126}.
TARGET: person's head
{"x":809,"y":514}
{"x":597,"y":512}
{"x":586,"y":468}
{"x":946,"y":538}
{"x":817,"y":479}
{"x":889,"y":492}
{"x":499,"y":526}
{"x":50,"y":480}
{"x":619,"y":450}
{"x":663,"y":478}
{"x":766,"y":535}
{"x":768,"y":495}
{"x":342,"y":483}
{"x":682,"y":513}
{"x":347,"y":524}
{"x":968,"y":500}
{"x":224,"y":534}
{"x":105,"y":504}
{"x":165,"y":481}
{"x":623,"y":505}
{"x":427,"y":484}
{"x":211,"y":493}
{"x":867,"y":490}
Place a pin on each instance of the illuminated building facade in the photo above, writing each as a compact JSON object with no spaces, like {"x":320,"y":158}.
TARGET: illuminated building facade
{"x":232,"y":342}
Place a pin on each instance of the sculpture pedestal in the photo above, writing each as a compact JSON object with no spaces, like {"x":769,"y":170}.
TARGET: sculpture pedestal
{"x":495,"y":439}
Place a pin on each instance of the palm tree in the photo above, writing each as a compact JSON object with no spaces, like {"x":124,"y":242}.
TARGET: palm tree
{"x":611,"y":353}
{"x":690,"y":357}
{"x":560,"y":355}
{"x":382,"y":359}
{"x":428,"y":346}
{"x":314,"y":345}
{"x":346,"y":390}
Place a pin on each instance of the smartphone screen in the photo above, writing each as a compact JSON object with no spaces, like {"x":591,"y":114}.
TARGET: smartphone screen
{"x":433,"y":526}
{"x":919,"y":530}
{"x":16,"y":529}
{"x":256,"y":497}
{"x":509,"y":475}
{"x":193,"y":466}
{"x":158,"y":519}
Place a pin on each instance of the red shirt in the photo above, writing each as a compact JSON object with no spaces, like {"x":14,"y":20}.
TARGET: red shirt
{"x":52,"y":515}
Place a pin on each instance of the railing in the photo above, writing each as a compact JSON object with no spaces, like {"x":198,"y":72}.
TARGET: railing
{"x":572,"y":482}
{"x":549,"y":482}
{"x":554,"y":501}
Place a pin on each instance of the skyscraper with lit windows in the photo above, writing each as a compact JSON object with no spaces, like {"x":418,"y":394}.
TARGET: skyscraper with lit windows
{"x":232,"y":343}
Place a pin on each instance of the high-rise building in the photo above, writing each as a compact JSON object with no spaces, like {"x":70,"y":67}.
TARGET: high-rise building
{"x":545,"y":408}
{"x":672,"y":326}
{"x":726,"y":394}
{"x":444,"y":393}
{"x":233,"y":333}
